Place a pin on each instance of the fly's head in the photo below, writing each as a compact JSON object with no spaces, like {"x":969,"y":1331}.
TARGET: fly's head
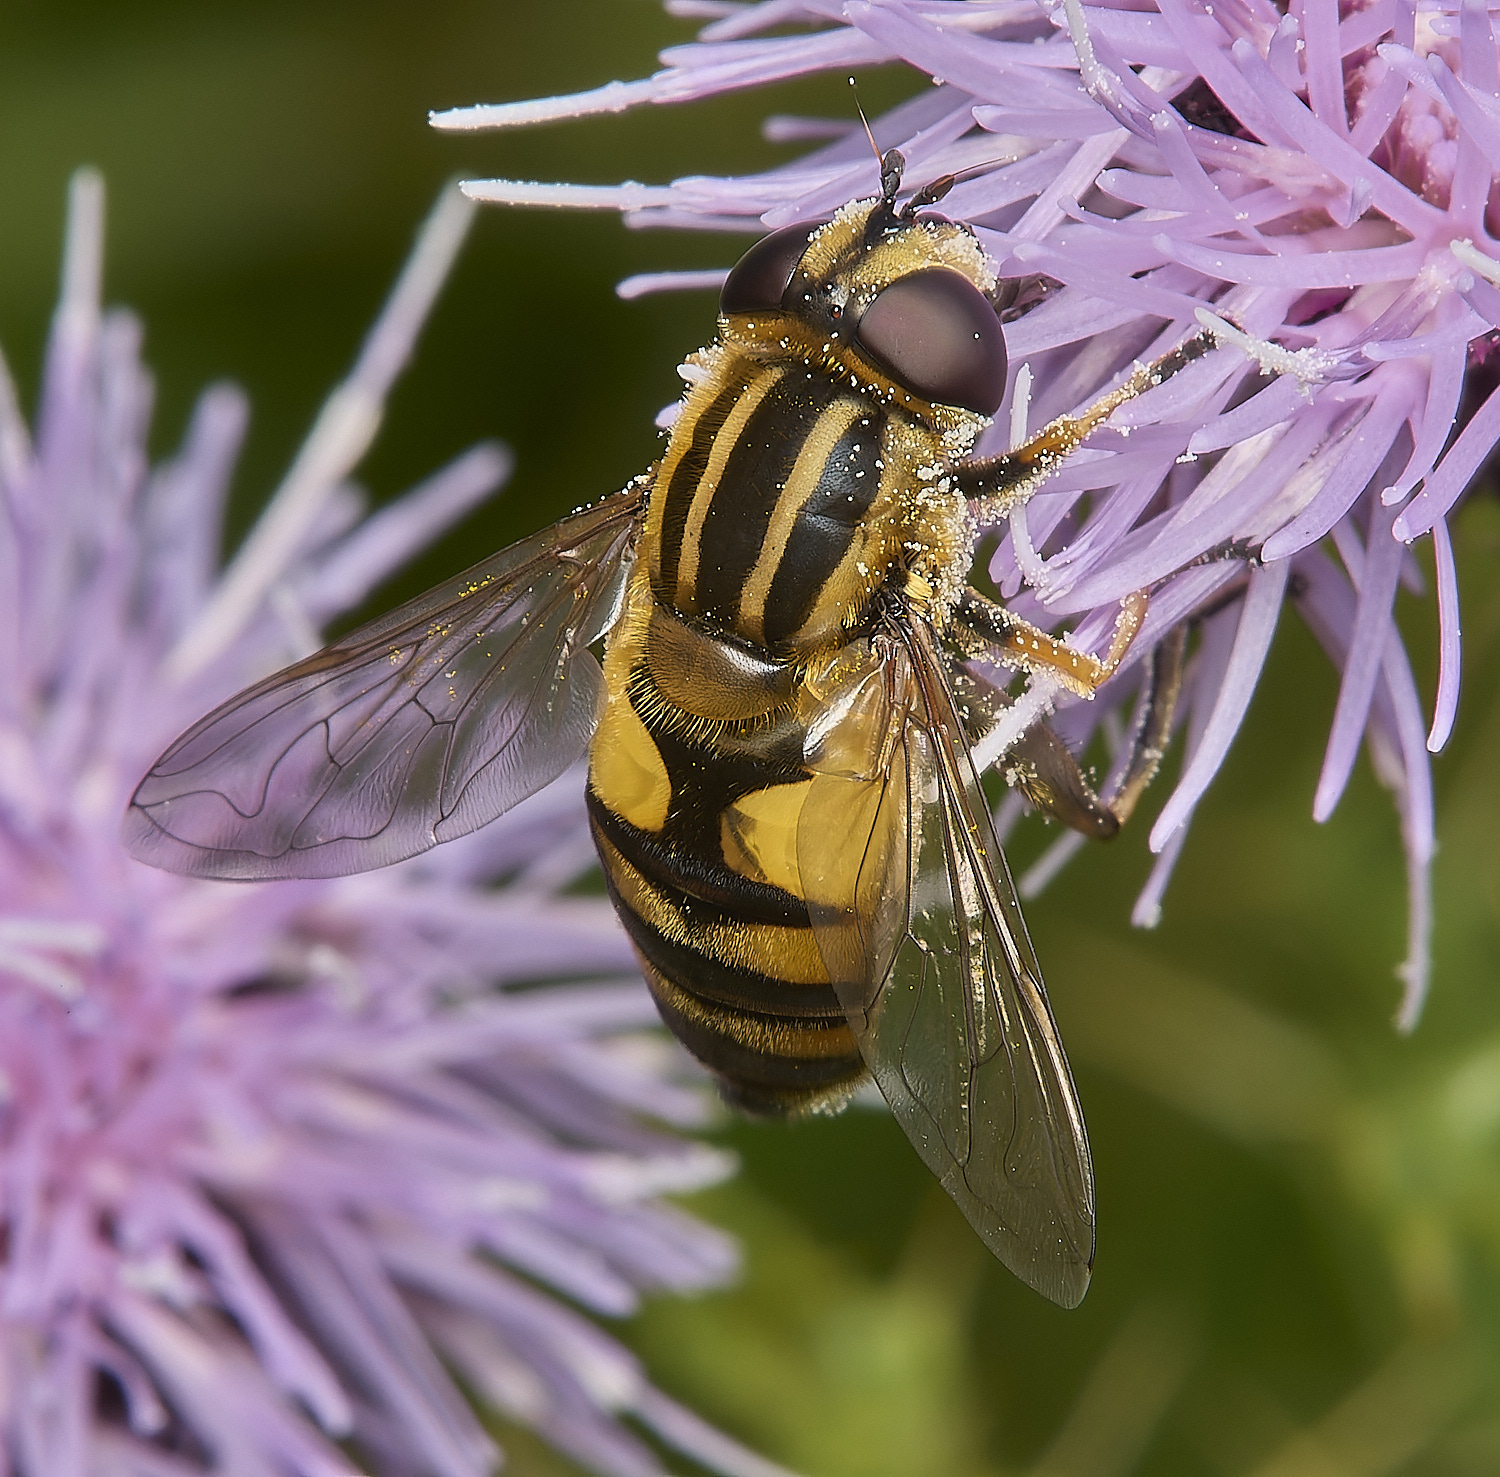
{"x":892,"y":300}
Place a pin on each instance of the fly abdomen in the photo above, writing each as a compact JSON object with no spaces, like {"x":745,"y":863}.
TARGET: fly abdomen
{"x":695,"y":790}
{"x":749,"y":998}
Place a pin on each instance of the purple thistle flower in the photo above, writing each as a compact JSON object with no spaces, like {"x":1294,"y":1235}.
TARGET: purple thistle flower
{"x":1322,"y":178}
{"x":278,"y":1163}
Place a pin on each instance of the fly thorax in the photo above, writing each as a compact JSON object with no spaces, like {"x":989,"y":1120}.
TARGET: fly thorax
{"x":759,"y":513}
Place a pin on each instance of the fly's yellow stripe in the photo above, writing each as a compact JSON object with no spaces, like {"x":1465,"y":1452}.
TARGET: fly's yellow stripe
{"x":626,"y":769}
{"x":811,"y":461}
{"x":758,"y":835}
{"x":724,"y":444}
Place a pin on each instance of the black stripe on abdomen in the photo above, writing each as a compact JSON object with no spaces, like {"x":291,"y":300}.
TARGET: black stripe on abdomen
{"x":710,"y":883}
{"x":691,"y":964}
{"x":760,"y":1074}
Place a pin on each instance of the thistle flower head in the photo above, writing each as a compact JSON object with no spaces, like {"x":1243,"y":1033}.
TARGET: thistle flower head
{"x":1316,"y":183}
{"x":279,"y":1164}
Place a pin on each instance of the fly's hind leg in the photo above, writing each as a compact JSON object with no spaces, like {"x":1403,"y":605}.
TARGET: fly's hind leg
{"x":1039,"y":764}
{"x":1042,"y":767}
{"x":1008,"y":480}
{"x":1153,"y":723}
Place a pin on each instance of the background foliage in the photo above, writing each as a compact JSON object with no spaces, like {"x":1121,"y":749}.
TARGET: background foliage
{"x":1299,"y":1270}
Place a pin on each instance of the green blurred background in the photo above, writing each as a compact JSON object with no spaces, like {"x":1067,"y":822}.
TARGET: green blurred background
{"x":1299,"y":1212}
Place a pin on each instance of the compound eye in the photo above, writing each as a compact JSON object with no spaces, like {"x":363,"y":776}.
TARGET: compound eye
{"x":939,"y":338}
{"x":756,"y":282}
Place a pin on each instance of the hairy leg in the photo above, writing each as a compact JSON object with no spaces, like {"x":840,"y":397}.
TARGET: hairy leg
{"x":1039,"y":764}
{"x":1003,"y":482}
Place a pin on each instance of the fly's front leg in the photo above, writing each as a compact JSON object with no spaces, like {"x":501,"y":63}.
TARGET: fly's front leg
{"x":1002,"y":483}
{"x":1041,"y":766}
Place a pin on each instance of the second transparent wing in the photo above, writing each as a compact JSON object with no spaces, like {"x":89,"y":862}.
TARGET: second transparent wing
{"x":419,"y":727}
{"x":918,"y":924}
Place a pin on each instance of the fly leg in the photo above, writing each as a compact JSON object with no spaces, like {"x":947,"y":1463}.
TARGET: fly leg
{"x":1153,"y":723}
{"x":1039,"y":764}
{"x":1001,"y":483}
{"x":1020,"y":644}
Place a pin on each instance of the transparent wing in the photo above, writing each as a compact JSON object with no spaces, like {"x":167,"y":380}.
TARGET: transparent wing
{"x":419,"y":727}
{"x":917,"y":920}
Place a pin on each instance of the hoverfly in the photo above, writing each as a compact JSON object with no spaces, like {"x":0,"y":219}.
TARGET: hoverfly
{"x":780,"y":783}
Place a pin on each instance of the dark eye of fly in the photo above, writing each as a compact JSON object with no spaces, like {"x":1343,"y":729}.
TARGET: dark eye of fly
{"x":757,"y":281}
{"x":939,"y":338}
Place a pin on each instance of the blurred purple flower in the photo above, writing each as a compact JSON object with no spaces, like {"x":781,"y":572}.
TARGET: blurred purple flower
{"x":1323,"y":177}
{"x":278,"y":1163}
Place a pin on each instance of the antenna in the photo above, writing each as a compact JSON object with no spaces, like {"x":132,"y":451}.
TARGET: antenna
{"x":869,"y":132}
{"x":891,"y":163}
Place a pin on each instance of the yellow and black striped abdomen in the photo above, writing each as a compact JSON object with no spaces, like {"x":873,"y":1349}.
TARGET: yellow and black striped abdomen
{"x":760,"y":509}
{"x":695,"y":788}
